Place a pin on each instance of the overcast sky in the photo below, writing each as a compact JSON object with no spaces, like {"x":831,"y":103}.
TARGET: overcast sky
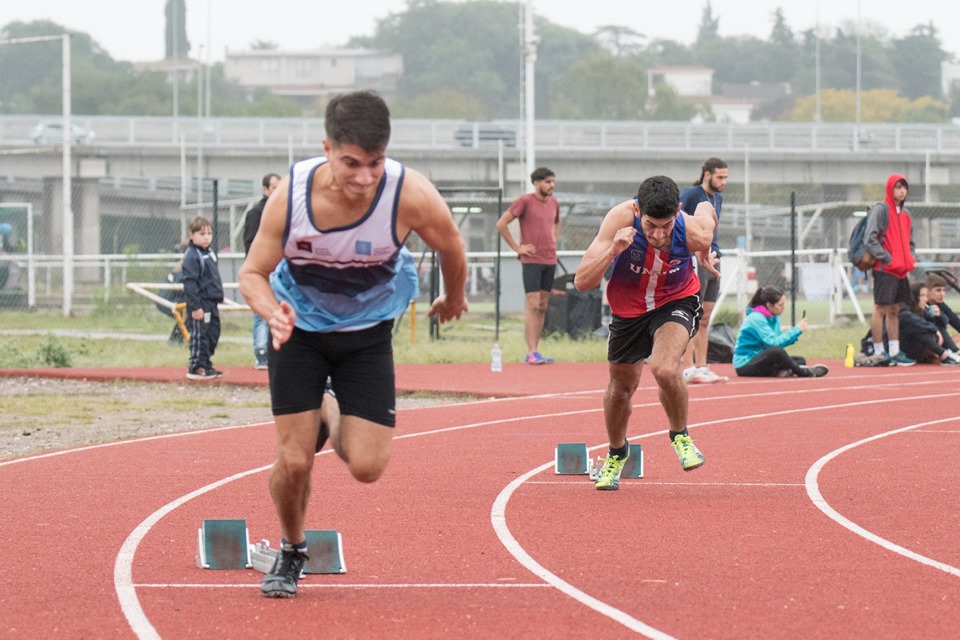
{"x":133,"y":29}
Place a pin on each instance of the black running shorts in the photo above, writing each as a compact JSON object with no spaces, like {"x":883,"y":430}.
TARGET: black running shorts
{"x":631,"y":339}
{"x":359,"y":364}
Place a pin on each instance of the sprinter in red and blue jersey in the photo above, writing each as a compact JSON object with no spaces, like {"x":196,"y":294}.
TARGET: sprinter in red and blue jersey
{"x":653,"y":293}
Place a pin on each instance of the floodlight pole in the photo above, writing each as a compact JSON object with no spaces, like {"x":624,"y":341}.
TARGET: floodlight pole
{"x":530,"y":56}
{"x":67,"y":183}
{"x":67,"y":219}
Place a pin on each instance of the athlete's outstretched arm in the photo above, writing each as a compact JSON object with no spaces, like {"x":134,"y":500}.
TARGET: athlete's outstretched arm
{"x":700,"y":229}
{"x":423,"y":210}
{"x":615,"y":235}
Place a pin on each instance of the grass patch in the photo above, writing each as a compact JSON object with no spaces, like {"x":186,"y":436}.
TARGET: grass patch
{"x":467,"y":340}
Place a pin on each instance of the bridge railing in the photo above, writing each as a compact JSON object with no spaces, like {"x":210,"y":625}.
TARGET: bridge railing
{"x":296,"y":133}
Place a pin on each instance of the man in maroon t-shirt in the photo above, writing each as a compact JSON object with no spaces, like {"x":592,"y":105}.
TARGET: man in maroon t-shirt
{"x":539,"y":216}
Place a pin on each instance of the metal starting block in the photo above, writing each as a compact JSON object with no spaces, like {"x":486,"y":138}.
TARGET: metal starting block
{"x":571,"y":459}
{"x":324,"y":550}
{"x":632,"y":468}
{"x":223,"y":544}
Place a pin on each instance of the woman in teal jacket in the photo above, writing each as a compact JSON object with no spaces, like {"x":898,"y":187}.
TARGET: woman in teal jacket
{"x":759,"y":352}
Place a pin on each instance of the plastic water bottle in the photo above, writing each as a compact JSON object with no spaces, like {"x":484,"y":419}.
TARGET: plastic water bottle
{"x":496,"y":358}
{"x":848,"y":360}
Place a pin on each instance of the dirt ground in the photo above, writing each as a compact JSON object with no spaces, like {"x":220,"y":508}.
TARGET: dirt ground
{"x":40,"y":414}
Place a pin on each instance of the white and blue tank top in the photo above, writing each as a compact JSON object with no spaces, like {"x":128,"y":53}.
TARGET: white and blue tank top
{"x":344,"y":278}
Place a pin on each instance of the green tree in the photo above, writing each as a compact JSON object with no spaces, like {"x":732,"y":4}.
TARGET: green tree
{"x":620,"y":41}
{"x":667,"y":105}
{"x":876,"y":105}
{"x":175,"y":12}
{"x":916,"y":61}
{"x":602,"y":87}
{"x":440,"y":104}
{"x":709,"y":28}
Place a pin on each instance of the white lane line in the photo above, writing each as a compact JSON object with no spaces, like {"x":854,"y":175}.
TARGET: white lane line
{"x":411,"y":585}
{"x":574,"y":483}
{"x":813,"y":490}
{"x":499,"y":519}
{"x":123,"y":571}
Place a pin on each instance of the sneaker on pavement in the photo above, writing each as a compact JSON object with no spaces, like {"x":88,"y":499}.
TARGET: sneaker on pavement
{"x":690,"y":456}
{"x":702,"y":375}
{"x":816,"y":371}
{"x":281,"y":582}
{"x":260,"y":366}
{"x":950,"y":358}
{"x":199,"y":373}
{"x":902,"y":360}
{"x":216,"y":373}
{"x":609,"y":477}
{"x":536,"y":358}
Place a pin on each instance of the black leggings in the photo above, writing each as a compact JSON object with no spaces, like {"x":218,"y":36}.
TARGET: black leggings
{"x":770,"y":362}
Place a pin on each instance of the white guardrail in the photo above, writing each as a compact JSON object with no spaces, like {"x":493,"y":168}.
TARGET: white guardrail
{"x":120,"y":131}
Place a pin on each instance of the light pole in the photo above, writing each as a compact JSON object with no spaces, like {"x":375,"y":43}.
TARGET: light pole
{"x":817,"y":115}
{"x":530,"y":56}
{"x":67,"y":178}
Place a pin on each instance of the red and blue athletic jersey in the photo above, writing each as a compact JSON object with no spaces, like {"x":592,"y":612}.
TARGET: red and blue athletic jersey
{"x":645,"y":278}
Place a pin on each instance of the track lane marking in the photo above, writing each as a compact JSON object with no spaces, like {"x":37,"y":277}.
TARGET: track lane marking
{"x":498,"y":515}
{"x":813,"y":491}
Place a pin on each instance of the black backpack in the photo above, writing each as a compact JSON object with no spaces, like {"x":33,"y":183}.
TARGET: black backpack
{"x":857,"y":251}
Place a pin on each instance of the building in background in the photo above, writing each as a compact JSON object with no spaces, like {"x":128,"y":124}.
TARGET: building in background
{"x":311,"y":77}
{"x":695,"y":85}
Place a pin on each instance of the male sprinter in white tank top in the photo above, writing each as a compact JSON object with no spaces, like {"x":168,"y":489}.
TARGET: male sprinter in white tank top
{"x":329,"y":273}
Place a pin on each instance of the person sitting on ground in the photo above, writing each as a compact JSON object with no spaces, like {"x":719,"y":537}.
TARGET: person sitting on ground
{"x":939,"y":313}
{"x":919,"y":338}
{"x":759,"y":352}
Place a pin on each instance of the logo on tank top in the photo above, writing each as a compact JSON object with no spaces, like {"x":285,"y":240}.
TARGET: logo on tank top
{"x":304,"y":245}
{"x":363,"y":247}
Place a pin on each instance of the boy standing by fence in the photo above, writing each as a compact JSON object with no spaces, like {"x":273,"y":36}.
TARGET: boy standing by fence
{"x":203,"y":289}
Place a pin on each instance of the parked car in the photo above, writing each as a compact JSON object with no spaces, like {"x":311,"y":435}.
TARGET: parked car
{"x":479,"y":133}
{"x":52,"y":133}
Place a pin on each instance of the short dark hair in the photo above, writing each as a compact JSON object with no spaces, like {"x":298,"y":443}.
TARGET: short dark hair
{"x":267,"y":178}
{"x":658,"y":197}
{"x":934,"y":280}
{"x":541,"y":173}
{"x":901,"y":181}
{"x":361,"y":118}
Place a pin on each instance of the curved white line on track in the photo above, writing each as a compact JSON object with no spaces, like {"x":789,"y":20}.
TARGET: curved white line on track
{"x":123,"y":582}
{"x":498,"y":517}
{"x":813,"y":490}
{"x":123,"y":565}
{"x":123,"y":572}
{"x":499,"y":521}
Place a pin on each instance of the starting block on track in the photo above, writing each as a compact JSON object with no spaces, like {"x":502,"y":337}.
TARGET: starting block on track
{"x":632,"y":468}
{"x":223,"y":544}
{"x":570,"y":459}
{"x":324,"y":550}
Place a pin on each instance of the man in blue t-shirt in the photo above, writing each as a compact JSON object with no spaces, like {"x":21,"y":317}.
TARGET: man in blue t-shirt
{"x":708,"y":188}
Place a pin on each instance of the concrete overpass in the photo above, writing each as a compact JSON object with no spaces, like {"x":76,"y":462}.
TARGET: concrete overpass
{"x":588,"y":156}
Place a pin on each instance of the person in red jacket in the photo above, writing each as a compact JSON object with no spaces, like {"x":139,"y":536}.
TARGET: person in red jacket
{"x":889,"y":237}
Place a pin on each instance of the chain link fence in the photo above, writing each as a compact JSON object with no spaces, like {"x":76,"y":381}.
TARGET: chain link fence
{"x":134,"y":230}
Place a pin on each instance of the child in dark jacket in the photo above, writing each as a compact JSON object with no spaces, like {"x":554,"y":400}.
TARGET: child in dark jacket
{"x":203,"y":290}
{"x":939,"y":313}
{"x":920,"y":338}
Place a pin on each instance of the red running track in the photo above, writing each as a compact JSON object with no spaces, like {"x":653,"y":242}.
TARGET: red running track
{"x":827,"y":508}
